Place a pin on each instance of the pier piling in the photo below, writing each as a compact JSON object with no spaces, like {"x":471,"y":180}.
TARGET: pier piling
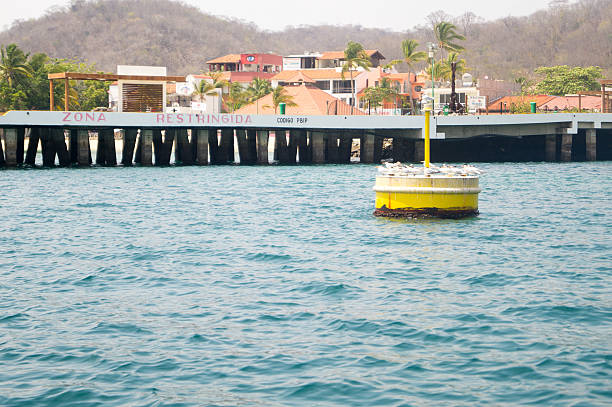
{"x":10,"y":145}
{"x":129,"y":143}
{"x":83,"y":148}
{"x":33,"y":142}
{"x":2,"y":161}
{"x":202,"y":147}
{"x":20,"y":145}
{"x":551,"y":147}
{"x":59,"y":141}
{"x":566,"y":147}
{"x":262,"y":147}
{"x":591,"y":144}
{"x":146,"y":147}
{"x":318,"y":147}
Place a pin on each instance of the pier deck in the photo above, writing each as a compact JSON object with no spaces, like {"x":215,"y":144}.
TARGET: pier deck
{"x":201,"y":139}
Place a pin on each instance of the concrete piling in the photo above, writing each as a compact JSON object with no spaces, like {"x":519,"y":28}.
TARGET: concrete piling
{"x":20,"y":145}
{"x":262,"y":147}
{"x":252,"y":145}
{"x":2,"y":161}
{"x":566,"y":147}
{"x":48,"y":147}
{"x":59,"y":140}
{"x":166,"y":147}
{"x":73,"y":146}
{"x":213,"y":145}
{"x":366,"y":153}
{"x":146,"y":147}
{"x":344,"y":149}
{"x":591,"y":144}
{"x":183,"y":152}
{"x":83,"y":148}
{"x":129,"y":144}
{"x":157,"y":145}
{"x":10,"y":145}
{"x":551,"y":147}
{"x":419,"y":151}
{"x":138,"y":152}
{"x":332,"y":148}
{"x":226,"y":147}
{"x":243,"y":148}
{"x":106,"y":154}
{"x":304,"y":151}
{"x":318,"y":147}
{"x":201,"y":147}
{"x":30,"y":158}
{"x":292,"y":146}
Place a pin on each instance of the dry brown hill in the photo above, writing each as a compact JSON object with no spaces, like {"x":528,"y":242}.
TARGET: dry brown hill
{"x":169,"y":33}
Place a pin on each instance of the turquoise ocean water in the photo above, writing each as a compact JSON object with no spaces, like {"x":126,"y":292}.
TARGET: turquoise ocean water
{"x":275,"y":286}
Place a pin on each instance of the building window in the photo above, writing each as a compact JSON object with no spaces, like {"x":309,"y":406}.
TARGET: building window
{"x":342,"y":86}
{"x":323,"y":85}
{"x":446,"y":98}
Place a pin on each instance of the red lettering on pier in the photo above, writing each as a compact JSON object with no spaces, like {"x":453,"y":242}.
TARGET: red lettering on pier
{"x":179,"y":118}
{"x":66,"y":117}
{"x":160,"y":118}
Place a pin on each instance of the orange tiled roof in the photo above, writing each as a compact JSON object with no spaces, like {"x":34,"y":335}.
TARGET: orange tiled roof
{"x":226,"y":59}
{"x":340,"y":54}
{"x":310,"y":101}
{"x":326,"y":73}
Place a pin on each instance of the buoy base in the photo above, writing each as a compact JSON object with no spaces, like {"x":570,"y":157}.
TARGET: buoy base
{"x":447,"y":213}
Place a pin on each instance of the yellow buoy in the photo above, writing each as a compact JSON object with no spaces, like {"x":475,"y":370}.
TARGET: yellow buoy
{"x":428,"y":191}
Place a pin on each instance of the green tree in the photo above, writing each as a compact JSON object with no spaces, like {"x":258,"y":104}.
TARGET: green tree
{"x":446,"y":70}
{"x":386,"y":91}
{"x":13,"y":64}
{"x":355,"y":57}
{"x":280,"y":95}
{"x":562,"y":80}
{"x":258,"y":88}
{"x":411,"y":56}
{"x":446,"y":37}
{"x":236,"y":97}
{"x":204,"y":88}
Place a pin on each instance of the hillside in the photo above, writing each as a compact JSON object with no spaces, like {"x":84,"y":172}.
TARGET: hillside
{"x":181,"y":37}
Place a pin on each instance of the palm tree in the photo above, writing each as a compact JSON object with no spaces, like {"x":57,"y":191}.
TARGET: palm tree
{"x":13,"y":64}
{"x":236,"y":97}
{"x":460,"y":65}
{"x":445,"y":35}
{"x":411,"y":56}
{"x":258,"y":88}
{"x":355,"y":57}
{"x":205,"y":88}
{"x":280,"y":95}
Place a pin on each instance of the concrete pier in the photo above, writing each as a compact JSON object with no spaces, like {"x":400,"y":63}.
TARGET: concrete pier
{"x":591,"y":144}
{"x":209,"y":139}
{"x":566,"y":147}
{"x":262,"y":147}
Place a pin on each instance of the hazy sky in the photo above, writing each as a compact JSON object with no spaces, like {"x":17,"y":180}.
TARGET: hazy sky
{"x":275,"y":15}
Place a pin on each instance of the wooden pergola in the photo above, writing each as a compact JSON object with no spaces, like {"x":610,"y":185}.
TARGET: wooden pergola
{"x":67,"y":76}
